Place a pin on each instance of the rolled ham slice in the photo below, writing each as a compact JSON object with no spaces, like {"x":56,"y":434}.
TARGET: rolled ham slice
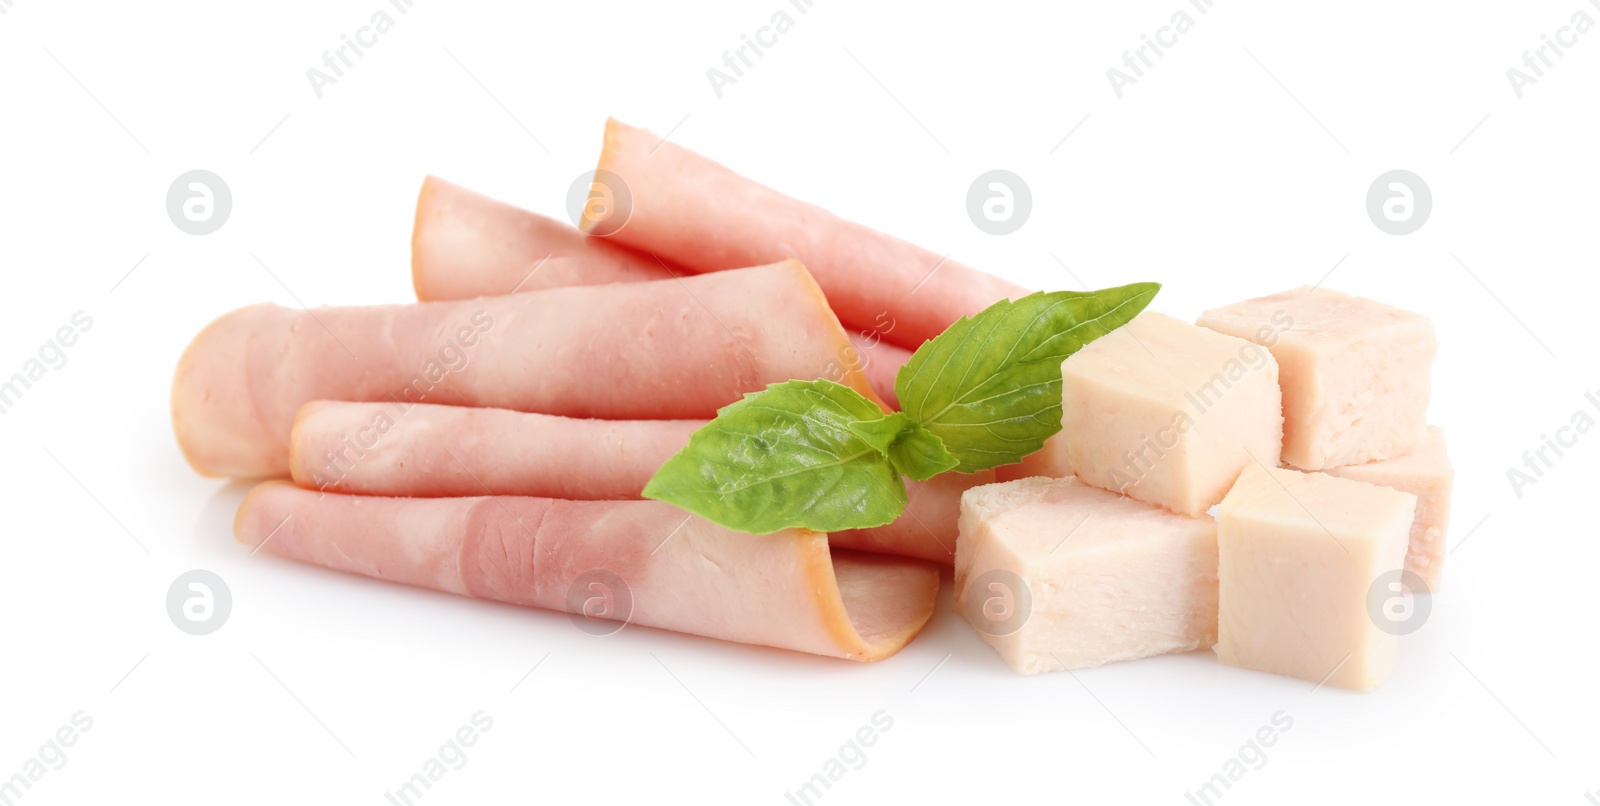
{"x":467,"y":245}
{"x":694,"y":212}
{"x":674,"y":349}
{"x":421,"y":450}
{"x":652,"y":563}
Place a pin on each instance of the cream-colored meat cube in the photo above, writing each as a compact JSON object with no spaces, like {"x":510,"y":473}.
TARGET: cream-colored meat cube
{"x":1426,"y":473}
{"x":1355,"y":372}
{"x":1168,"y":412}
{"x":1056,"y":574}
{"x":1298,"y":556}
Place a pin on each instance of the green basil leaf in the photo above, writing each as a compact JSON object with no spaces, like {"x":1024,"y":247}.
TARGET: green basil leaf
{"x":989,"y":386}
{"x":913,"y":450}
{"x":783,"y":457}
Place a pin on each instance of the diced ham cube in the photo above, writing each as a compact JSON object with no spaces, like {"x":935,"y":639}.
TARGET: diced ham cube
{"x":1056,"y":574}
{"x":1167,"y":413}
{"x":1299,"y":554}
{"x":1426,"y":473}
{"x":1355,"y":372}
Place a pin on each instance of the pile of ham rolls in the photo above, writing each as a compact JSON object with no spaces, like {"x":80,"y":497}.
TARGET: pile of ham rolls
{"x":492,"y":439}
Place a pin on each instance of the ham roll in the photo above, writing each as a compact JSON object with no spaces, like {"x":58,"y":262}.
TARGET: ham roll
{"x":696,"y":213}
{"x":467,"y":245}
{"x":421,"y":450}
{"x":641,"y":562}
{"x":674,"y":349}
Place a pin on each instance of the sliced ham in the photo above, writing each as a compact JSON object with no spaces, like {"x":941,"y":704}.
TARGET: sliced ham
{"x":467,"y":245}
{"x":694,"y":212}
{"x":930,"y":524}
{"x":397,"y":449}
{"x":435,"y":451}
{"x":675,"y":349}
{"x":647,"y":563}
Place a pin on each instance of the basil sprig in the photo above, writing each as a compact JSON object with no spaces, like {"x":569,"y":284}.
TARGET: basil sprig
{"x":816,"y":454}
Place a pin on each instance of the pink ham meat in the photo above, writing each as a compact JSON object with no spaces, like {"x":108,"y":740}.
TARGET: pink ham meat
{"x":466,"y":245}
{"x":427,"y":451}
{"x":672,"y":350}
{"x":650,"y":563}
{"x":701,"y":215}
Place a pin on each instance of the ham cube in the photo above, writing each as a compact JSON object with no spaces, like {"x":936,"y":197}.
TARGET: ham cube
{"x":1056,"y":574}
{"x":1299,"y":554}
{"x":1355,"y":372}
{"x":1167,"y":412}
{"x":1425,"y":473}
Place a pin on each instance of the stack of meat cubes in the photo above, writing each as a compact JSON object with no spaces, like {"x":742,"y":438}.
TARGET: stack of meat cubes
{"x":1301,"y":417}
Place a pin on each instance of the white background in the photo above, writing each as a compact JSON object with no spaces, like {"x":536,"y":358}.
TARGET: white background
{"x":1208,"y":175}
